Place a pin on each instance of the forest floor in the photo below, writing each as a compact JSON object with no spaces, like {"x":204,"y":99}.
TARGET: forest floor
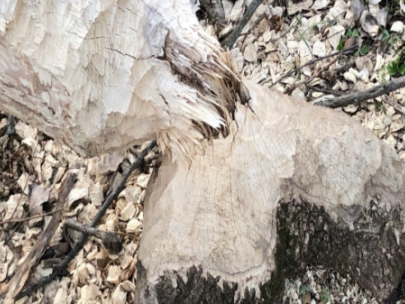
{"x":280,"y":37}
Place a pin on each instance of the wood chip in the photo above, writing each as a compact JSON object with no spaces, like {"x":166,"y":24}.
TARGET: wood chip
{"x":250,"y":53}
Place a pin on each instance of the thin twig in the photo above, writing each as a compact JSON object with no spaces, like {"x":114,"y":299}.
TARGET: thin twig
{"x":110,"y":240}
{"x":358,"y":97}
{"x":230,"y":41}
{"x":79,"y":244}
{"x":312,"y":62}
{"x":29,"y":218}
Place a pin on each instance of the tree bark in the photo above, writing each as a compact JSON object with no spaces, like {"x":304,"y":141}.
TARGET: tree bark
{"x":252,"y":185}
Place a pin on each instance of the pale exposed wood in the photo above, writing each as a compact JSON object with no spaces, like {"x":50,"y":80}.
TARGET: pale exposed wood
{"x":101,"y":75}
{"x":220,"y":212}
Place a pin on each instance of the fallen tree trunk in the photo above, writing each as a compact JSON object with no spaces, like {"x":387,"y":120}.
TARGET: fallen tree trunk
{"x":104,"y":77}
{"x":252,"y":185}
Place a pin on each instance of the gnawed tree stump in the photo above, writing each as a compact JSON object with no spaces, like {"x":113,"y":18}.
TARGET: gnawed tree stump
{"x":252,"y":185}
{"x":229,"y":212}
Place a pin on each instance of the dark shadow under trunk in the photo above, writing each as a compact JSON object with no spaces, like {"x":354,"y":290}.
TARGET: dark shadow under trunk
{"x":369,"y":254}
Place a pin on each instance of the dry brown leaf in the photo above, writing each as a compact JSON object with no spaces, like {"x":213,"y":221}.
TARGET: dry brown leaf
{"x":14,"y":207}
{"x":276,"y":23}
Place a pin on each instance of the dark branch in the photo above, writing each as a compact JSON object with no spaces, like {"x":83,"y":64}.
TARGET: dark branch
{"x":230,"y":41}
{"x":358,"y":97}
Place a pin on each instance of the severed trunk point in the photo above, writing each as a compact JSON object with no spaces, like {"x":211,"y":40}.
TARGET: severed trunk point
{"x":278,"y":194}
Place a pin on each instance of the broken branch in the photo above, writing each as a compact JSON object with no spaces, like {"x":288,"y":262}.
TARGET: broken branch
{"x":358,"y":97}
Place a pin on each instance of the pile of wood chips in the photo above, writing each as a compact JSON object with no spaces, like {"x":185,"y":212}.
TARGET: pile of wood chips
{"x":274,"y":41}
{"x":33,"y":167}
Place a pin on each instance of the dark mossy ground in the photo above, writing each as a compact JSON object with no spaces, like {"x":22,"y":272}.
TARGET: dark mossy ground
{"x":306,"y":236}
